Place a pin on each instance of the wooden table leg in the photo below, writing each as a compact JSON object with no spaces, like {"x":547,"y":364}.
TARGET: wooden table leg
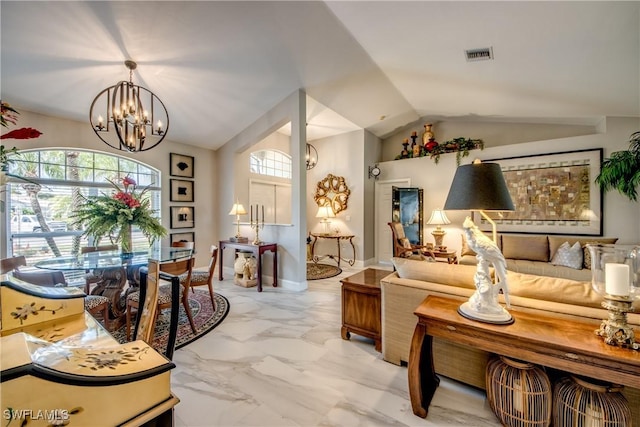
{"x":275,"y":267}
{"x":423,"y":381}
{"x":258,"y":254}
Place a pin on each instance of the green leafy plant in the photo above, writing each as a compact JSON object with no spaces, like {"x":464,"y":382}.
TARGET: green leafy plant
{"x":461,"y":146}
{"x":621,"y":171}
{"x":113,"y":215}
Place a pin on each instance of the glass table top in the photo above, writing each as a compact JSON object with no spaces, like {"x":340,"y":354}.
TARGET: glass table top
{"x":113,"y":258}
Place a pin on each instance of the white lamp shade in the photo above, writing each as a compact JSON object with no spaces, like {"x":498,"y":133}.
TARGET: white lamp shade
{"x":325,"y":212}
{"x":237,"y":209}
{"x":438,"y":217}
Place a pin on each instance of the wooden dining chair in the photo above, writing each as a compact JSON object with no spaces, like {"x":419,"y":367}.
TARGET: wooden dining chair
{"x":89,"y":277}
{"x":146,"y":322}
{"x":96,"y":305}
{"x":175,"y":268}
{"x":12,"y":263}
{"x":205,"y":277}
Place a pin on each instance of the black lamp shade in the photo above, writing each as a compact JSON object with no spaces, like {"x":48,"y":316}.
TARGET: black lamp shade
{"x":479,"y":186}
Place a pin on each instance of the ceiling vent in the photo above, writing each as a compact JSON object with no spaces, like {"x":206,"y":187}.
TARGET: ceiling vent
{"x":482,"y":54}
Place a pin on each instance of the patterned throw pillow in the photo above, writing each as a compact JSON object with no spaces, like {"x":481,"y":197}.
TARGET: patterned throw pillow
{"x":586,"y":255}
{"x":569,"y":256}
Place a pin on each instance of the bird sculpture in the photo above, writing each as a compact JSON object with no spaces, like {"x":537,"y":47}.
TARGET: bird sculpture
{"x":484,"y":301}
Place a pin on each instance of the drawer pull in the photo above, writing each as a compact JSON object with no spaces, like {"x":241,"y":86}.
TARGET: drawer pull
{"x":451,"y":328}
{"x":572,"y":356}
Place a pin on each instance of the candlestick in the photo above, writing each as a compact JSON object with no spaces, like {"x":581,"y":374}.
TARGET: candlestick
{"x":617,"y":279}
{"x":262,"y":215}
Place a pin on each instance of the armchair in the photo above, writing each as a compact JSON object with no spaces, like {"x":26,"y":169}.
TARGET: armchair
{"x":403,"y":248}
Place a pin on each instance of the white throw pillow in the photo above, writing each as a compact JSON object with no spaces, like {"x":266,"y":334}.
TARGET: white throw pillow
{"x":569,"y":256}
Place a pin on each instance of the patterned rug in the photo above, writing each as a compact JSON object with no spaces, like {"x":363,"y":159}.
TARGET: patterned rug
{"x":203,"y":316}
{"x":321,"y":271}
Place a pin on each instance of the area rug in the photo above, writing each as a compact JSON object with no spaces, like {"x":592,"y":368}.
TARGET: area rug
{"x":205,"y":318}
{"x":321,"y":271}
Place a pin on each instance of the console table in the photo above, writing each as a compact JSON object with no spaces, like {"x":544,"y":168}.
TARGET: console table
{"x":567,"y":345}
{"x":337,"y":238}
{"x":257,"y":251}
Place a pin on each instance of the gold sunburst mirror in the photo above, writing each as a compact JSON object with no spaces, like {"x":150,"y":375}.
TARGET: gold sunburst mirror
{"x":332,"y":191}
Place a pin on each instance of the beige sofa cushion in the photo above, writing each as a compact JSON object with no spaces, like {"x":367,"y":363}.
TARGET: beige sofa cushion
{"x":553,"y":289}
{"x":436,"y":272}
{"x":532,"y":248}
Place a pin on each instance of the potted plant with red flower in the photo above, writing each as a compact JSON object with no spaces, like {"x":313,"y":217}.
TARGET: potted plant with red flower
{"x":114,"y":215}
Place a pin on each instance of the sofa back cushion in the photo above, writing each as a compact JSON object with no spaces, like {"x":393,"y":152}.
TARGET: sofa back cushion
{"x":553,"y":289}
{"x":436,"y":272}
{"x":532,"y":248}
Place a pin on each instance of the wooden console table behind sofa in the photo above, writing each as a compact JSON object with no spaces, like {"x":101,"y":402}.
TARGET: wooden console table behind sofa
{"x":569,"y":346}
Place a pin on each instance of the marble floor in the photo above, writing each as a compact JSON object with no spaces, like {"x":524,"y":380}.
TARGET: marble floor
{"x":278,"y":360}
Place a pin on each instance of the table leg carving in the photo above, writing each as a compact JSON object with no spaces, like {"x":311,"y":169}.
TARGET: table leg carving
{"x":111,"y":285}
{"x":423,"y":380}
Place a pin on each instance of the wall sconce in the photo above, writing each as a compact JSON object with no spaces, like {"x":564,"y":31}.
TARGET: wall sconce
{"x":374,"y":171}
{"x":311,"y":157}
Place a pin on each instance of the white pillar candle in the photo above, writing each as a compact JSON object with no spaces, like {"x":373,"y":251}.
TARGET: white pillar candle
{"x":617,"y":279}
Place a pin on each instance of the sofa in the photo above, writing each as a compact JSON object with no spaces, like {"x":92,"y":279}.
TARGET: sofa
{"x":412,"y":281}
{"x":538,"y":254}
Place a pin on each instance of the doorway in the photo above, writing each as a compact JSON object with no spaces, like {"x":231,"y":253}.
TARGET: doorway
{"x":383,"y":197}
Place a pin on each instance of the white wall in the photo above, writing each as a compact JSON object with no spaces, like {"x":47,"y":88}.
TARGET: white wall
{"x":61,"y":133}
{"x":621,"y":216}
{"x":290,"y":239}
{"x":339,"y":155}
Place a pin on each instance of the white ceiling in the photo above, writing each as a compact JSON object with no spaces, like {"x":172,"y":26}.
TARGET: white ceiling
{"x":218,"y":66}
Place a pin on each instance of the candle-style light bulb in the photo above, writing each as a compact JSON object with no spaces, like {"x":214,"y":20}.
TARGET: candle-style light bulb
{"x":159,"y":126}
{"x":145,"y":116}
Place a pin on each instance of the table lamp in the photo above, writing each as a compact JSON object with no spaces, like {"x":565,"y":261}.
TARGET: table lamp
{"x":481,"y":187}
{"x":238,"y":210}
{"x":438,"y":218}
{"x":325,"y":212}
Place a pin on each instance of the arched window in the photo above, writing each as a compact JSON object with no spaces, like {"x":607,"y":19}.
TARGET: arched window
{"x":46,"y":184}
{"x":270,"y":163}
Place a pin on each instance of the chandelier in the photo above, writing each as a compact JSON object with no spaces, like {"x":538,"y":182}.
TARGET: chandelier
{"x":311,"y":157}
{"x":136,"y":119}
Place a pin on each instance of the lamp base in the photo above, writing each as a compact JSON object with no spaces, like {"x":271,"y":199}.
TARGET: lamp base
{"x":438,"y":235}
{"x":469,"y":311}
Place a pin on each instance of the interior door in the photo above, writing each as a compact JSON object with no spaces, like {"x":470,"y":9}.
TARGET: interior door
{"x":384,"y":199}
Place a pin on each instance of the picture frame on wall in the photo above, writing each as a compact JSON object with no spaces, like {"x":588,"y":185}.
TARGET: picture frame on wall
{"x":182,"y":217}
{"x":181,"y":190}
{"x":553,"y":193}
{"x":188,"y":236}
{"x":181,"y":165}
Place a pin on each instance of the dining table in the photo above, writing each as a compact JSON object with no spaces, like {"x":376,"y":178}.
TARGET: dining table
{"x":112,"y":271}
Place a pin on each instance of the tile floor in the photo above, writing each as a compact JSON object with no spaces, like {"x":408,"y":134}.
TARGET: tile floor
{"x":278,"y":360}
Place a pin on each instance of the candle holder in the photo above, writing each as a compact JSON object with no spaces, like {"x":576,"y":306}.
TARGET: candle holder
{"x":615,"y":269}
{"x":615,"y":330}
{"x":257,"y":225}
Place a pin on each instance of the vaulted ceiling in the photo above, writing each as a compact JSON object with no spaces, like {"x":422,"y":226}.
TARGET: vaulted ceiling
{"x":218,"y":66}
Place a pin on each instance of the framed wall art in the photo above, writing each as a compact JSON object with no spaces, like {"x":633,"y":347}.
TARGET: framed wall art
{"x":553,"y":193}
{"x":182,"y":217}
{"x":181,"y":165}
{"x":188,"y":236}
{"x":181,"y":190}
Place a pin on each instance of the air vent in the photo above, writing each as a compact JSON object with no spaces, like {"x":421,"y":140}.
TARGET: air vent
{"x":482,"y":54}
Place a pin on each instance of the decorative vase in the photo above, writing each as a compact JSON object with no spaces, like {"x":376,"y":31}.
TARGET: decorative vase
{"x":427,"y":135}
{"x":126,"y":244}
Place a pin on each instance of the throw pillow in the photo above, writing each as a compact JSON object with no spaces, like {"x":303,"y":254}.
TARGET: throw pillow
{"x":569,"y":256}
{"x":465,"y":250}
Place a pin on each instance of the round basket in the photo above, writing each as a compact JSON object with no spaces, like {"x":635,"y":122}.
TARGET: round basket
{"x":580,"y":402}
{"x":519,"y":393}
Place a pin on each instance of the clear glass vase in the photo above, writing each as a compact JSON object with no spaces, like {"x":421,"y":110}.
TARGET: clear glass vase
{"x":621,"y":278}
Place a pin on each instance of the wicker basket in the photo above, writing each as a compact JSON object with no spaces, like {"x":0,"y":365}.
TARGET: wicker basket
{"x":519,"y":393}
{"x":578,"y":402}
